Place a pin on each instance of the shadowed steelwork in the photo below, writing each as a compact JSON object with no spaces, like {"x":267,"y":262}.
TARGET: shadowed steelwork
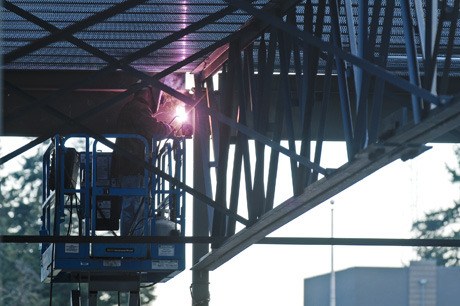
{"x":382,"y":76}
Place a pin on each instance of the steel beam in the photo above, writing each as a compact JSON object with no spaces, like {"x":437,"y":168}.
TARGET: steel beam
{"x":443,"y":242}
{"x":265,"y":140}
{"x":261,"y":114}
{"x":344,"y":94}
{"x":196,"y":240}
{"x":111,"y":145}
{"x":73,"y":28}
{"x":327,"y":47}
{"x":311,"y":57}
{"x":377,"y":104}
{"x":376,"y":156}
{"x":250,"y":31}
{"x":226,"y":105}
{"x":412,"y":63}
{"x":285,"y":58}
{"x":452,"y":17}
{"x":274,"y":155}
{"x":322,"y":122}
{"x":241,"y":154}
{"x":124,"y":62}
{"x":201,"y":182}
{"x":352,"y":37}
{"x":363,"y":40}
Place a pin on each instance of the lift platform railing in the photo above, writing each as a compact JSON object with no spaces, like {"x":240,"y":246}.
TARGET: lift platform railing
{"x":82,"y":198}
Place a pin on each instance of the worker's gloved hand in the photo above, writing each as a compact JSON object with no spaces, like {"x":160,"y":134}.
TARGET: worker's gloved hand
{"x":187,"y":130}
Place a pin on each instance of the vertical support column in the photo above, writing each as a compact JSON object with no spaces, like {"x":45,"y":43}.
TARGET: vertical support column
{"x":285,"y":52}
{"x":430,"y":59}
{"x":279,"y":115}
{"x":261,"y":109}
{"x":310,"y":74}
{"x":200,"y":278}
{"x":134,"y":298}
{"x":1,"y":96}
{"x":92,"y":298}
{"x":353,"y":43}
{"x":342,"y":81}
{"x":246,"y":103}
{"x":379,"y":87}
{"x":411,"y":57}
{"x":227,"y":102}
{"x":452,"y":14}
{"x":428,"y":32}
{"x":427,"y":24}
{"x":367,"y":42}
{"x":363,"y":14}
{"x":243,"y":94}
{"x":310,"y":71}
{"x":322,"y":120}
{"x":59,"y":185}
{"x":75,"y":298}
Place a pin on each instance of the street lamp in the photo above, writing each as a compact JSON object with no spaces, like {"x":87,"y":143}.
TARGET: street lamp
{"x":422,"y":283}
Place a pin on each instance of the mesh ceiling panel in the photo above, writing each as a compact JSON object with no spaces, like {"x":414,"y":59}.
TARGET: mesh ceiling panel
{"x":147,"y":24}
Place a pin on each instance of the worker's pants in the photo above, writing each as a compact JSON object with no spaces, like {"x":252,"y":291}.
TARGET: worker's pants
{"x":132,"y":207}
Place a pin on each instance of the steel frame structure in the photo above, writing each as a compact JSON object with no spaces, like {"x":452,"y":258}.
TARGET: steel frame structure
{"x":323,"y":76}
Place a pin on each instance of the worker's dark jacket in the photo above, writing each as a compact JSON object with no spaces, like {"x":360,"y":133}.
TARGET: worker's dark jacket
{"x":135,"y":118}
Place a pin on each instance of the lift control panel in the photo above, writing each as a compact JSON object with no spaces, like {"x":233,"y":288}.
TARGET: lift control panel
{"x":82,"y":198}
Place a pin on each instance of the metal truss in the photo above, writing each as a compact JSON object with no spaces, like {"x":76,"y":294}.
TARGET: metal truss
{"x":207,"y":240}
{"x":293,"y":74}
{"x":369,"y":146}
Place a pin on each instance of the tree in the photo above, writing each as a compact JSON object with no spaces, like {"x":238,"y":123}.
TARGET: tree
{"x":441,"y":223}
{"x":20,"y":197}
{"x":20,"y":210}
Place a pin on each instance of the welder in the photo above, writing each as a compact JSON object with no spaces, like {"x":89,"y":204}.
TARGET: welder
{"x":136,"y":117}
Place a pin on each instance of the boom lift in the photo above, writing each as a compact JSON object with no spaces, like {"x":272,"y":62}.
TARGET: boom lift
{"x":80,"y":198}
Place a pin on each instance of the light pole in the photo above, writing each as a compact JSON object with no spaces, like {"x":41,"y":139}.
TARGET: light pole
{"x":422,"y":283}
{"x":332,"y":284}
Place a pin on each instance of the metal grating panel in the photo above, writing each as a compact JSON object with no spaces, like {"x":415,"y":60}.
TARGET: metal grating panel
{"x":117,"y":36}
{"x":144,"y":24}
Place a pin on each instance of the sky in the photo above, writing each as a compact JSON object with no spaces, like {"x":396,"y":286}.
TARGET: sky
{"x":383,"y":205}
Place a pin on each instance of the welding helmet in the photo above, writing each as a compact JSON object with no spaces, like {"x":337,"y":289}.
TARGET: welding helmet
{"x":147,"y":96}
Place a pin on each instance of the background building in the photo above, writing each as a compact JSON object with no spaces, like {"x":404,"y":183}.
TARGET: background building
{"x":421,"y":284}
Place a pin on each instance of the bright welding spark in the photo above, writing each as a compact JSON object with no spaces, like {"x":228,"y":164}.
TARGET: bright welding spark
{"x":181,"y":114}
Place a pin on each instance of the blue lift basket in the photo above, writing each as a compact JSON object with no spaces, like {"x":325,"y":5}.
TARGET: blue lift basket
{"x":81,"y":198}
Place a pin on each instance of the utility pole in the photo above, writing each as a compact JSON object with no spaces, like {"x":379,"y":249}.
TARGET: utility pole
{"x":332,"y":284}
